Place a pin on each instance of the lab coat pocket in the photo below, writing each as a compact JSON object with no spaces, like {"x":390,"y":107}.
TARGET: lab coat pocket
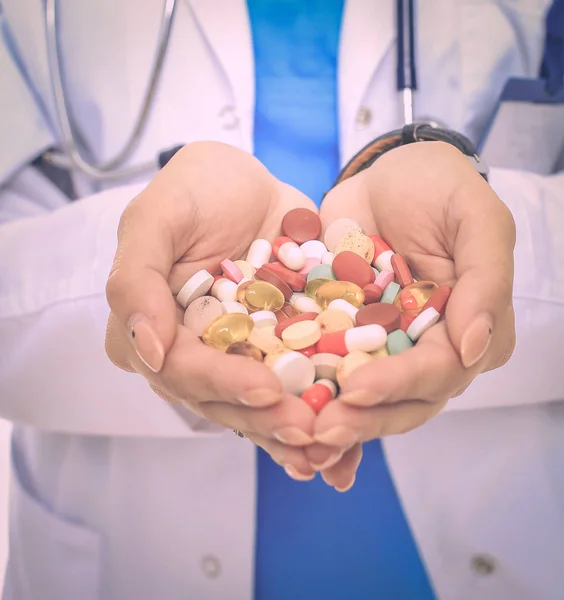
{"x":51,"y":558}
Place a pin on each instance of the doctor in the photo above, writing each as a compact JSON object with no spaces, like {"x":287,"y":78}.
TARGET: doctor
{"x":116,"y":494}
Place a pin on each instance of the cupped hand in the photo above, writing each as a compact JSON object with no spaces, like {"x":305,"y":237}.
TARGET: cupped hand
{"x":428,"y":202}
{"x":209,"y":203}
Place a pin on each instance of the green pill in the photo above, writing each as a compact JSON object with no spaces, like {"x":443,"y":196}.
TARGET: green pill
{"x":390,"y":293}
{"x":321,"y":272}
{"x":398,"y":341}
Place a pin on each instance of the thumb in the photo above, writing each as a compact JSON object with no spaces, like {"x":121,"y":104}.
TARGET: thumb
{"x":137,"y":289}
{"x":483,"y":258}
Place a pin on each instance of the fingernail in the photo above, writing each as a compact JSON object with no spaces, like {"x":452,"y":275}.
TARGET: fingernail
{"x":148,"y":346}
{"x":295,"y":474}
{"x":362,"y":398}
{"x":331,"y":460}
{"x":293,"y":436}
{"x":475,"y":340}
{"x":338,"y":436}
{"x":346,"y":488}
{"x":259,"y":398}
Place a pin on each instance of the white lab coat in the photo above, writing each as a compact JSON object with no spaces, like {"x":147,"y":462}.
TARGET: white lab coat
{"x":115,"y":494}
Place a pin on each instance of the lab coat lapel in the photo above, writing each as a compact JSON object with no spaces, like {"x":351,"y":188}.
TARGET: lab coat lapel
{"x":367,"y":33}
{"x":225,"y":24}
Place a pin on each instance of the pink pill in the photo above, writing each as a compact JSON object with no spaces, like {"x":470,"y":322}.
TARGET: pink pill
{"x":384,"y":278}
{"x":231,"y":270}
{"x":310,"y":263}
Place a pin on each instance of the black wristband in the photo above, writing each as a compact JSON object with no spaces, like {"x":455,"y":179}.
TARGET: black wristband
{"x":417,"y":132}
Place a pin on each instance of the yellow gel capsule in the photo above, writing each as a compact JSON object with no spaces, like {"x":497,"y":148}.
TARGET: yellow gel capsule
{"x":413,"y":298}
{"x":339,"y":290}
{"x":261,"y":295}
{"x":228,"y":329}
{"x":313,"y":285}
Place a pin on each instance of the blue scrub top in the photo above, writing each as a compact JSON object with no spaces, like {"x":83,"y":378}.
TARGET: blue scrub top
{"x":312,"y":541}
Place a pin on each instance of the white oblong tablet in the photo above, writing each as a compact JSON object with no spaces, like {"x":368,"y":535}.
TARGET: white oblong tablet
{"x":295,"y":371}
{"x":307,"y":304}
{"x":338,"y":230}
{"x":197,"y":286}
{"x":340,"y":304}
{"x":325,"y":365}
{"x":259,"y":253}
{"x":234,"y":307}
{"x":314,"y":249}
{"x":383,"y":262}
{"x":422,"y":323}
{"x":367,"y":338}
{"x":291,"y":256}
{"x":264,"y":318}
{"x":201,"y":312}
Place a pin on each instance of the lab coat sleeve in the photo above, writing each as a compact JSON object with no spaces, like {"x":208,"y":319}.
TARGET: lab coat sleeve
{"x":54,"y":372}
{"x":535,"y":373}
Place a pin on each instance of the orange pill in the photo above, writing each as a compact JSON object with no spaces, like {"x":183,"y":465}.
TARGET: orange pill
{"x":439,"y":299}
{"x":401,"y":270}
{"x":349,"y":266}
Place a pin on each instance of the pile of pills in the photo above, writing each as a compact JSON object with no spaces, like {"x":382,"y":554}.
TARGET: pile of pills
{"x":311,"y":310}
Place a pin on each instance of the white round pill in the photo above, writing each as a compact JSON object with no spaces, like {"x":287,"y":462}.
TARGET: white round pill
{"x":291,"y":256}
{"x":234,"y":307}
{"x":314,"y":249}
{"x":338,"y":230}
{"x":295,"y":371}
{"x":197,"y":286}
{"x":307,"y":304}
{"x":264,"y":318}
{"x":201,"y":312}
{"x":224,"y":290}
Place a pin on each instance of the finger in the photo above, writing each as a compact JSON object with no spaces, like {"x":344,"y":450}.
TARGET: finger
{"x":322,"y":457}
{"x":290,"y":421}
{"x":342,"y":425}
{"x":342,"y":475}
{"x":483,"y":256}
{"x":291,"y":458}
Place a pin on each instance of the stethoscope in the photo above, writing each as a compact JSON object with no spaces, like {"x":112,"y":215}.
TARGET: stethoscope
{"x":71,"y":157}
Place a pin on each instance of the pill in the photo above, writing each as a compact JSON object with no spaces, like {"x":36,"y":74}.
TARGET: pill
{"x":327,"y":258}
{"x":295,"y":297}
{"x":367,"y":338}
{"x":301,"y":225}
{"x":384,"y":261}
{"x":313,"y":285}
{"x":384,"y":278}
{"x":265,"y":340}
{"x":405,"y":321}
{"x":376,"y":272}
{"x":349,"y":266}
{"x":390,"y":293}
{"x":330,"y":321}
{"x":295,"y":371}
{"x":439,"y":299}
{"x":340,"y":304}
{"x":321,"y":272}
{"x":231,"y":270}
{"x":245,"y":349}
{"x":306,"y":304}
{"x":380,"y":246}
{"x":224,"y":290}
{"x":401,"y":270}
{"x":227,"y":329}
{"x":289,"y":253}
{"x":372,"y":293}
{"x":268,"y":328}
{"x":325,"y":365}
{"x":314,"y":249}
{"x":282,"y":325}
{"x":347,"y":364}
{"x":310,"y":264}
{"x":381,"y":353}
{"x":357,"y":243}
{"x":259,"y":253}
{"x":309,"y":351}
{"x":264,"y":318}
{"x":234,"y":307}
{"x":422,"y":323}
{"x":274,"y":279}
{"x":387,"y":315}
{"x":246,"y":268}
{"x":286,"y":312}
{"x":334,"y":290}
{"x":261,"y":295}
{"x":413,"y":298}
{"x":201,"y":312}
{"x":319,"y":394}
{"x":397,"y":342}
{"x":338,"y":230}
{"x":296,"y":281}
{"x":301,"y":335}
{"x":197,"y":286}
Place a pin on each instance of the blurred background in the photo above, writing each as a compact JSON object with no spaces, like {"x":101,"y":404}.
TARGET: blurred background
{"x":4,"y":457}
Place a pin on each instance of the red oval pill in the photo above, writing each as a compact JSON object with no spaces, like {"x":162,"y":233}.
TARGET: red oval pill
{"x":275,"y":280}
{"x":349,"y":266}
{"x":372,"y":293}
{"x":387,"y":315}
{"x":301,"y":225}
{"x":401,"y":270}
{"x":439,"y":299}
{"x":307,"y":316}
{"x":333,"y":343}
{"x":296,"y":281}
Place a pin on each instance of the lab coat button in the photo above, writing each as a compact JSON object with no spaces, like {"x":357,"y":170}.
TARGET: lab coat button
{"x":229,"y":117}
{"x":483,"y":564}
{"x":363,"y":117}
{"x":211,"y":566}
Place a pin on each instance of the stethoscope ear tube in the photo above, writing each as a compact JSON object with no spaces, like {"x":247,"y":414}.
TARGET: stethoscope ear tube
{"x":406,"y":74}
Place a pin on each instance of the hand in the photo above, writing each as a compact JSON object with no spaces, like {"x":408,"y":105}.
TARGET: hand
{"x":431,"y":206}
{"x":209,"y":203}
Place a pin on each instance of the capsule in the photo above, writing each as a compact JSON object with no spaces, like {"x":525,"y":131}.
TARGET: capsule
{"x":367,"y":338}
{"x":261,"y":295}
{"x":319,"y":394}
{"x":289,"y":253}
{"x":228,"y":329}
{"x":259,"y":253}
{"x":413,"y":298}
{"x":224,"y":290}
{"x":343,"y":290}
{"x":313,"y":285}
